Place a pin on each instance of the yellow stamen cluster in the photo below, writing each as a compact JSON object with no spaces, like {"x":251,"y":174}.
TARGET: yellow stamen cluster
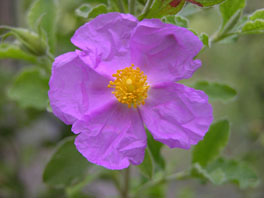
{"x":130,"y":86}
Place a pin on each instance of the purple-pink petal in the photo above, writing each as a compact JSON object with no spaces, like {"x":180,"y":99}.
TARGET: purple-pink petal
{"x":113,"y":137}
{"x":164,"y":52}
{"x":105,"y":42}
{"x":76,"y":89}
{"x":177,"y":115}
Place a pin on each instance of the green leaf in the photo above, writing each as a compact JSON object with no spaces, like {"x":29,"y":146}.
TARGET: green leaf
{"x":205,"y":39}
{"x":213,"y":143}
{"x":155,"y":150}
{"x":208,"y":3}
{"x":216,"y":90}
{"x":231,"y":11}
{"x":222,"y":171}
{"x":8,"y":50}
{"x":162,"y":8}
{"x":30,"y":89}
{"x":216,"y":177}
{"x":190,"y":9}
{"x":254,"y":23}
{"x":147,"y":167}
{"x":253,"y":27}
{"x":88,"y":11}
{"x":83,"y":10}
{"x":43,"y":14}
{"x":258,"y":14}
{"x":66,"y":166}
{"x":176,"y":20}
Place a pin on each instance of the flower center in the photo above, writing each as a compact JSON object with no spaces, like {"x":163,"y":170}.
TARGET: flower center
{"x":130,"y":86}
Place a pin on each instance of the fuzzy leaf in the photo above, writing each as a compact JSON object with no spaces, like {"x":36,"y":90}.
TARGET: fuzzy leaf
{"x":155,"y":149}
{"x":30,"y":89}
{"x":213,"y":143}
{"x":162,"y":8}
{"x":8,"y":50}
{"x":223,"y":171}
{"x":229,"y":11}
{"x":66,"y":166}
{"x":258,"y":14}
{"x":253,"y":27}
{"x":205,"y":39}
{"x":147,"y":167}
{"x":216,"y":90}
{"x":43,"y":14}
{"x":208,"y":3}
{"x":176,"y":20}
{"x":88,"y":11}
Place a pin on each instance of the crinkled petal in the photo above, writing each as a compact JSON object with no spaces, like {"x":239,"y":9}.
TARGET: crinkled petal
{"x":177,"y":115}
{"x":75,"y":88}
{"x":105,"y":42}
{"x":112,"y":137}
{"x":164,"y":52}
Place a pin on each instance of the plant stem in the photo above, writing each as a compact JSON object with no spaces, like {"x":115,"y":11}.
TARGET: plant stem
{"x":125,"y":191}
{"x":121,"y":6}
{"x":175,"y":176}
{"x":131,"y":6}
{"x":218,"y":38}
{"x":146,"y":9}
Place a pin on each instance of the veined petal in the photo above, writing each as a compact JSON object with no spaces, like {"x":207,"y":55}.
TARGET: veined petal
{"x":177,"y":115}
{"x":113,"y":137}
{"x":164,"y":52}
{"x":105,"y":42}
{"x":75,"y":88}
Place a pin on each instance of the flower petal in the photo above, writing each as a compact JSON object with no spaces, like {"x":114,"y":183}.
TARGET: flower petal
{"x":75,"y":88}
{"x":105,"y":42}
{"x":177,"y":115}
{"x":112,"y":137}
{"x":164,"y":52}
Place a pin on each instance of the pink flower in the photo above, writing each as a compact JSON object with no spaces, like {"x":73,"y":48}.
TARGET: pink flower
{"x":123,"y":79}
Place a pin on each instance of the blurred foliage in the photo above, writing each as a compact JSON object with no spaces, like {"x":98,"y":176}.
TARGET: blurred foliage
{"x":232,"y":69}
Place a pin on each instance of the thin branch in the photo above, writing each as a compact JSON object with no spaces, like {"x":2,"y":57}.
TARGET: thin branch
{"x":121,"y":6}
{"x":126,"y":183}
{"x":131,"y":6}
{"x":146,"y":9}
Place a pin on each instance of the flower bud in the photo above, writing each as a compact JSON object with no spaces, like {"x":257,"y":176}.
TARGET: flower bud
{"x":30,"y":41}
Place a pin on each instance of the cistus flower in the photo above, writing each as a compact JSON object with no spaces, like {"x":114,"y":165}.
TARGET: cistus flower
{"x":122,"y":80}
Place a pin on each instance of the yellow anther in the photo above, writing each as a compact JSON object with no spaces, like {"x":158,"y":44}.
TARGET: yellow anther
{"x":130,"y":86}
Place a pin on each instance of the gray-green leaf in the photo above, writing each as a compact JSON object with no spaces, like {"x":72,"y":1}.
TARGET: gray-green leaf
{"x":162,"y":8}
{"x":223,"y":171}
{"x":205,"y":39}
{"x":66,"y":166}
{"x":13,"y":51}
{"x":43,"y":14}
{"x":30,"y":89}
{"x":208,"y":3}
{"x":147,"y":167}
{"x":88,"y":11}
{"x":213,"y":143}
{"x":258,"y":14}
{"x":176,"y":20}
{"x":253,"y":27}
{"x":216,"y":90}
{"x":155,"y":149}
{"x":230,"y":11}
